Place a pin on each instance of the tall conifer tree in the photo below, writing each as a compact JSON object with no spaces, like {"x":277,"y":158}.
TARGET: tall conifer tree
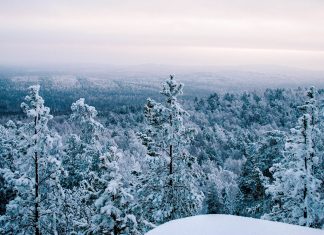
{"x":169,"y":188}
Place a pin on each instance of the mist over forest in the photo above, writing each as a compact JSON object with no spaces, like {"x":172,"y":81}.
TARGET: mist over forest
{"x":109,"y":87}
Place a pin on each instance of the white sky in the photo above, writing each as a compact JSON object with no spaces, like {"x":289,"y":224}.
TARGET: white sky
{"x":177,"y":32}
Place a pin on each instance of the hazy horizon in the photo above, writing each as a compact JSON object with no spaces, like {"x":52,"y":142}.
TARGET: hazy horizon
{"x":208,"y":33}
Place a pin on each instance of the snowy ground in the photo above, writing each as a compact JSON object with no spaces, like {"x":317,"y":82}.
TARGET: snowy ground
{"x":229,"y":225}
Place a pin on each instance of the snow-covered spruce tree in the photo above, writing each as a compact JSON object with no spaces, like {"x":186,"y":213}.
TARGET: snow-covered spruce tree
{"x":295,"y":189}
{"x":260,"y":156}
{"x":319,"y":172}
{"x":270,"y":150}
{"x":81,"y":161}
{"x":83,"y":149}
{"x":250,"y":183}
{"x":35,"y":208}
{"x":221,"y":189}
{"x":8,"y":144}
{"x":113,"y":207}
{"x":8,"y":153}
{"x":169,"y":187}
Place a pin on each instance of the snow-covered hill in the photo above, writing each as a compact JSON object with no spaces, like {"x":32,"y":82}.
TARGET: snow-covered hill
{"x":229,"y":225}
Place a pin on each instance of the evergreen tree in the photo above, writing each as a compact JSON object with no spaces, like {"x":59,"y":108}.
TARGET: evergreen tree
{"x":83,"y":149}
{"x":169,"y":189}
{"x":250,"y":184}
{"x":81,"y":161}
{"x":270,"y":151}
{"x":295,"y":189}
{"x":221,"y":189}
{"x":113,"y":207}
{"x":35,"y":208}
{"x":8,"y":152}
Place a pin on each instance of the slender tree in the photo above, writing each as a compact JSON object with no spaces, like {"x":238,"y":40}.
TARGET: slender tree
{"x":250,"y":184}
{"x":169,"y":186}
{"x":114,"y":199}
{"x":81,"y":161}
{"x":295,"y":189}
{"x":36,"y":177}
{"x":83,"y":148}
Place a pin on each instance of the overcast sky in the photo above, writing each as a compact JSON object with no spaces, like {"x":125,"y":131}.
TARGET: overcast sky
{"x":177,"y":32}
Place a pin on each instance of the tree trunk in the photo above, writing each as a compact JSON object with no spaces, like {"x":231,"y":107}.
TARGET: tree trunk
{"x":171,"y":157}
{"x":171,"y":165}
{"x":305,"y":165}
{"x":37,"y":232}
{"x":116,"y":230}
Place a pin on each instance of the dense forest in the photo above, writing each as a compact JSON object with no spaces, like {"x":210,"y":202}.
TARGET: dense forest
{"x":90,"y":160}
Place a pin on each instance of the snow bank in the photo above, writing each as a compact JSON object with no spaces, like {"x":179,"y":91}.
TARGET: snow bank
{"x":229,"y":225}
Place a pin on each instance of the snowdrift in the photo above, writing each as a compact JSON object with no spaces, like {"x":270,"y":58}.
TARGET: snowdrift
{"x":229,"y":225}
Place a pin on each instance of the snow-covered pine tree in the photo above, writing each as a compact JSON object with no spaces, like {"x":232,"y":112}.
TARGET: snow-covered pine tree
{"x":8,"y":152}
{"x":84,"y":117}
{"x":169,"y":189}
{"x":35,"y":208}
{"x":221,"y":189}
{"x":8,"y":144}
{"x":83,"y":149}
{"x":250,"y":184}
{"x":295,"y":189}
{"x":270,"y":150}
{"x":260,"y":156}
{"x":81,"y":161}
{"x":114,"y":200}
{"x":74,"y":161}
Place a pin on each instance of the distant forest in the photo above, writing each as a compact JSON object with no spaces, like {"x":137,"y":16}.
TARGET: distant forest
{"x":137,"y":155}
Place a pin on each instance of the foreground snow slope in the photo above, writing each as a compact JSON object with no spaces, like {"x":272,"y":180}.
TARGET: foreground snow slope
{"x":229,"y":225}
